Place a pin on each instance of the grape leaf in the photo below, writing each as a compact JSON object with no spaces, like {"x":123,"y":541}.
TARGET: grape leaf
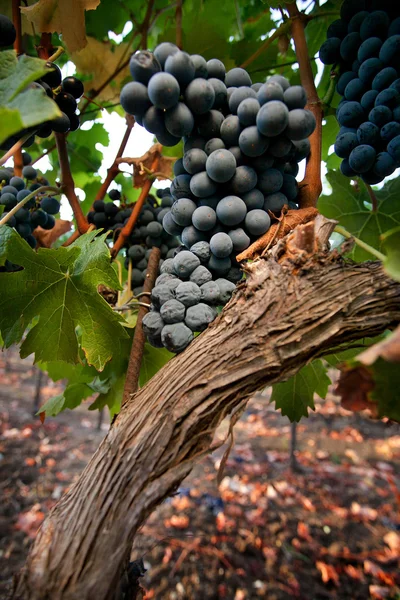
{"x":391,"y":245}
{"x":21,"y":107}
{"x":153,"y":360}
{"x":59,"y":287}
{"x":67,"y":18}
{"x":71,"y":397}
{"x":296,"y":395}
{"x":350,"y":205}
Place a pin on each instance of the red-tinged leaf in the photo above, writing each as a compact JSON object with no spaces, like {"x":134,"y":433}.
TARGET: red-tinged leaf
{"x":303,"y":531}
{"x":328,"y":573}
{"x":354,"y":386}
{"x":42,"y":416}
{"x":354,"y":572}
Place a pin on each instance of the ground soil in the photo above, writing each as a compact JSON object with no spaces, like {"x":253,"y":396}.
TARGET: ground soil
{"x":328,"y":529}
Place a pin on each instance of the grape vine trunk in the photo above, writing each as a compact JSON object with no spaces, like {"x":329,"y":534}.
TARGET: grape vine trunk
{"x":289,"y":312}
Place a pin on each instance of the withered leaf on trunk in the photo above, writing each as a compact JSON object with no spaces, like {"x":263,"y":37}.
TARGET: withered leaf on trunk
{"x":47,"y":237}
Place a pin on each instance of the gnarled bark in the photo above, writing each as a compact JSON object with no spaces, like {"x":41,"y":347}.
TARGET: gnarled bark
{"x":293,"y":307}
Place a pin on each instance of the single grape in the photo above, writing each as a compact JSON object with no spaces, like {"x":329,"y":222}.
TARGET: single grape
{"x":163,"y":91}
{"x":355,"y":89}
{"x":182,"y":211}
{"x":280,"y":146}
{"x":193,"y":142}
{"x":172,"y":311}
{"x":351,"y":114}
{"x":389,"y":131}
{"x":368,"y":100}
{"x":188,"y":293}
{"x":152,"y":323}
{"x":394,"y":149}
{"x":210,"y":202}
{"x":345,"y":143}
{"x":253,"y":199}
{"x":376,"y":24}
{"x":275,"y":202}
{"x":5,"y":176}
{"x":369,"y":69}
{"x":219,"y":266}
{"x":289,"y":187}
{"x":135,"y":99}
{"x":194,"y":161}
{"x":282,"y":81}
{"x":380,"y":115}
{"x":50,"y":205}
{"x":200,"y":275}
{"x":270,"y":91}
{"x":362,"y":158}
{"x":240,"y":239}
{"x":200,"y":66}
{"x":273,"y":118}
{"x":221,"y":245}
{"x":209,"y":124}
{"x":369,"y":49}
{"x":220,"y":92}
{"x":8,"y":200}
{"x":349,"y":46}
{"x":179,"y":169}
{"x":343,"y":80}
{"x":38,"y":218}
{"x":221,"y":166}
{"x":153,"y":120}
{"x":244,"y":180}
{"x":163,"y":51}
{"x":204,"y":218}
{"x":200,"y":96}
{"x":7,"y":32}
{"x":356,"y":21}
{"x":160,"y":294}
{"x":198,"y":317}
{"x":210,"y":293}
{"x":295,"y":97}
{"x":212,"y":145}
{"x":384,"y":79}
{"x":73,"y":85}
{"x":384,"y":165}
{"x":170,"y":226}
{"x":176,"y":337}
{"x":50,"y":222}
{"x":180,"y":65}
{"x":247,"y":111}
{"x":201,"y":250}
{"x":346,"y":170}
{"x":237,"y":77}
{"x":252,"y":143}
{"x":230,"y":130}
{"x":301,"y":124}
{"x":215,"y":69}
{"x":270,"y":181}
{"x":231,"y":210}
{"x":226,"y":289}
{"x":201,"y":185}
{"x":238,"y":95}
{"x":180,"y":187}
{"x":257,"y":222}
{"x":53,"y":77}
{"x":329,"y":53}
{"x":337,"y":29}
{"x":165,"y":138}
{"x":179,"y":120}
{"x":190,"y":235}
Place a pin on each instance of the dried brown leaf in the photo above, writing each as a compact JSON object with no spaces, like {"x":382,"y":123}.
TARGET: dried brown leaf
{"x":278,"y":230}
{"x":98,"y":59}
{"x":47,"y":237}
{"x":142,"y":166}
{"x":388,"y":349}
{"x":66,"y":17}
{"x":353,"y":387}
{"x":328,"y":573}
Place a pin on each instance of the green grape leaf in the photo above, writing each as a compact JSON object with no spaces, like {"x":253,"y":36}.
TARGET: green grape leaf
{"x":350,"y":205}
{"x":59,"y":288}
{"x":296,"y":395}
{"x":71,"y":397}
{"x":153,"y":360}
{"x":391,"y":246}
{"x":346,"y":354}
{"x":21,"y":106}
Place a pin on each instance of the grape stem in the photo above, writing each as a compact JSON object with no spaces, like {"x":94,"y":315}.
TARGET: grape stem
{"x":178,"y":23}
{"x":136,"y":354}
{"x":373,"y":198}
{"x":346,"y":234}
{"x":16,"y":17}
{"x":113,"y":171}
{"x":60,"y":50}
{"x":68,"y":183}
{"x":128,"y":228}
{"x":15,"y":148}
{"x":327,"y":99}
{"x":43,"y":188}
{"x":311,"y":186}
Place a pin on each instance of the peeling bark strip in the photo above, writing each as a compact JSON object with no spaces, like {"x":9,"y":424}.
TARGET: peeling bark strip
{"x":276,"y":323}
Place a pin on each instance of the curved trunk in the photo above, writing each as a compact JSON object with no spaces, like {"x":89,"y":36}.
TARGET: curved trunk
{"x":287,"y":313}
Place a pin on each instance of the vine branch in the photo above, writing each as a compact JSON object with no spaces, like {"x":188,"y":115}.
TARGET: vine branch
{"x":373,"y":251}
{"x":135,"y":358}
{"x":113,"y":171}
{"x":178,"y":24}
{"x":128,"y":228}
{"x":68,"y":183}
{"x":311,"y":186}
{"x":373,"y":198}
{"x":16,"y":17}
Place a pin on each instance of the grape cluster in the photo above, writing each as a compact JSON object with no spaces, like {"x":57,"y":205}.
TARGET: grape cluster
{"x":184,"y":299}
{"x":65,"y":92}
{"x":147,"y":233}
{"x":242,"y":145}
{"x":365,"y":44}
{"x":38,"y":211}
